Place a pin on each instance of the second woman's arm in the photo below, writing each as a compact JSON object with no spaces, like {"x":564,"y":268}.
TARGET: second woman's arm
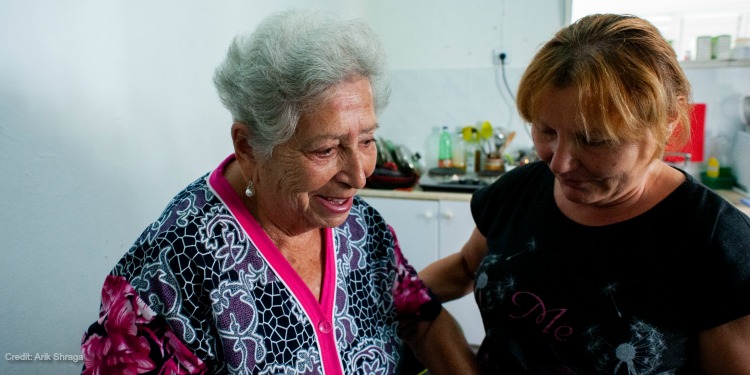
{"x":452,"y":277}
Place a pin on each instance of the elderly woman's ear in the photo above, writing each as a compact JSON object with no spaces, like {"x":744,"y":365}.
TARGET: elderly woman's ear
{"x":240,"y":137}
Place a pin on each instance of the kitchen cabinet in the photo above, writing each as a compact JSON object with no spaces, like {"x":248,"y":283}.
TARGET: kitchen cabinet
{"x":416,"y":224}
{"x":428,"y":229}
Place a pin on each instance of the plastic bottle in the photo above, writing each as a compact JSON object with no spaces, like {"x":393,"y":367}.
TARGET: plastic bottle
{"x":445,"y":152}
{"x":471,"y":137}
{"x":459,"y":153}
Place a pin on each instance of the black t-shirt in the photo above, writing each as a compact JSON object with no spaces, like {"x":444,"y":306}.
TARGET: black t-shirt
{"x":558,"y":297}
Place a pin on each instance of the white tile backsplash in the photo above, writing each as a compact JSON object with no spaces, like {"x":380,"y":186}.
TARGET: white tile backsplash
{"x":423,"y":101}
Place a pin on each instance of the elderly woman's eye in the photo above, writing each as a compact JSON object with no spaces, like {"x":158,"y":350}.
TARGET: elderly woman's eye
{"x":326,"y":151}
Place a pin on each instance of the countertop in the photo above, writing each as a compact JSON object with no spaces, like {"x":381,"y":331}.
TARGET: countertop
{"x":734,"y":198}
{"x":417,"y":193}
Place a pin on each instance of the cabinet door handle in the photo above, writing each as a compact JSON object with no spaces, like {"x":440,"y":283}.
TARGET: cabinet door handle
{"x":448,"y":214}
{"x":428,"y":214}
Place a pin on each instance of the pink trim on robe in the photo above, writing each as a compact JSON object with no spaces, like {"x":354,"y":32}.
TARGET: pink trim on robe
{"x":320,"y":314}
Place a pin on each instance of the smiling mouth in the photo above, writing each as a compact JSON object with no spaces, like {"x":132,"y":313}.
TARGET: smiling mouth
{"x":336,"y":200}
{"x":336,"y":205}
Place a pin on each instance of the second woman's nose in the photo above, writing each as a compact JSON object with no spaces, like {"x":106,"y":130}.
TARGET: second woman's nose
{"x":564,"y":157}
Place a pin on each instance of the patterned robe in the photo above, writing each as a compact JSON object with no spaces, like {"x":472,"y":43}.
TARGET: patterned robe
{"x":205,"y":290}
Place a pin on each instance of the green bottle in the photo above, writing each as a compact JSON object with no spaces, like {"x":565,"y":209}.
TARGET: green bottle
{"x":445,"y":152}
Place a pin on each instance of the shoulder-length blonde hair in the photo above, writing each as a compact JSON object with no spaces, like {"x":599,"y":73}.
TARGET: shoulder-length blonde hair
{"x":630,"y":84}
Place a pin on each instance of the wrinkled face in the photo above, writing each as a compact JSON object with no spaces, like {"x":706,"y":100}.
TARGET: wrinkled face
{"x":588,"y":170}
{"x":311,"y":179}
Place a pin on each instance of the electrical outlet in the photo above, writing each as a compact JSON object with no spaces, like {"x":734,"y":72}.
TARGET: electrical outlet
{"x":498,"y":56}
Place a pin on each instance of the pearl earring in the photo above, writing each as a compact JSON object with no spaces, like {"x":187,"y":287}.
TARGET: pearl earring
{"x":250,"y":190}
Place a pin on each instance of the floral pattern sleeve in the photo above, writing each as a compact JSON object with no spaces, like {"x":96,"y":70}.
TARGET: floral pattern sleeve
{"x":129,"y":338}
{"x":412,"y":297}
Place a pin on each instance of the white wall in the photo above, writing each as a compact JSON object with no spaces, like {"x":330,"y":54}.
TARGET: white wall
{"x":107,"y":109}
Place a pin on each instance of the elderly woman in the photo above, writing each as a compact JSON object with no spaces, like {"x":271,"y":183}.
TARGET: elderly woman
{"x":601,"y":258}
{"x":271,"y":264}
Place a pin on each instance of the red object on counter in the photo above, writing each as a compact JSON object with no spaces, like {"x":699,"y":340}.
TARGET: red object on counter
{"x":696,"y":142}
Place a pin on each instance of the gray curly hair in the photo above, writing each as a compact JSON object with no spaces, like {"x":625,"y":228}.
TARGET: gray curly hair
{"x":287,"y":65}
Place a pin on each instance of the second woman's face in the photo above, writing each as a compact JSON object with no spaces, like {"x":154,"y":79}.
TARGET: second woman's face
{"x":311,"y":179}
{"x":588,"y":169}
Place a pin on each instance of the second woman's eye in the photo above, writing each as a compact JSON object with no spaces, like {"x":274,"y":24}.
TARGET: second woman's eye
{"x":595,"y":142}
{"x":544,"y":131}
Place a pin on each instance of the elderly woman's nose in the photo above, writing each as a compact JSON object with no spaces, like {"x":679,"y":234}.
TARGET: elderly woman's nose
{"x":353,"y":171}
